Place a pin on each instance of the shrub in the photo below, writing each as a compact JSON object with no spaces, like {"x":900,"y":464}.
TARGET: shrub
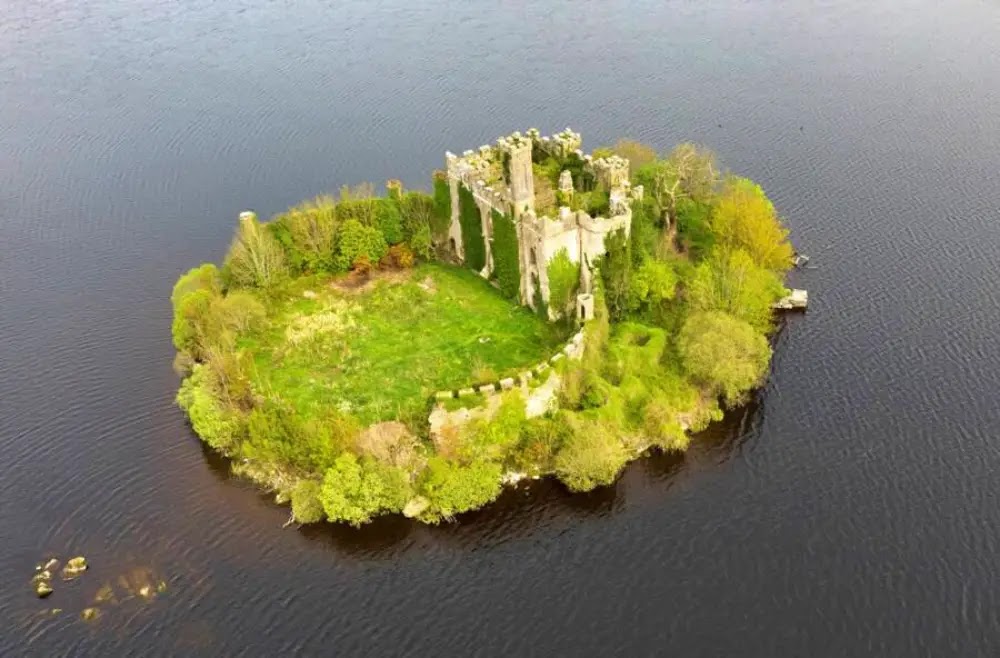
{"x":389,"y":221}
{"x":453,"y":489}
{"x":663,"y":429}
{"x":540,"y":441}
{"x":421,"y":242}
{"x":723,"y":353}
{"x":356,"y":241}
{"x":355,"y":491}
{"x":389,"y":442}
{"x":276,"y":434}
{"x":616,"y":272}
{"x":493,"y":439}
{"x":255,"y":258}
{"x":399,"y":256}
{"x":591,"y":457}
{"x":306,"y":504}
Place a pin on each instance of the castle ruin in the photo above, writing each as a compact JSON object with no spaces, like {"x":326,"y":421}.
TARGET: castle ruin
{"x":557,"y":197}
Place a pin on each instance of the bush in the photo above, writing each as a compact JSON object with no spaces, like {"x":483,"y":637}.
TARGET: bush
{"x":493,"y":439}
{"x":616,"y":272}
{"x":540,"y":441}
{"x":356,"y":241}
{"x":306,"y":504}
{"x":277,"y":435}
{"x":421,"y":242}
{"x":591,"y":457}
{"x":453,"y":489}
{"x":723,"y":353}
{"x":653,"y":283}
{"x":355,"y":491}
{"x":399,"y":256}
{"x":389,"y":221}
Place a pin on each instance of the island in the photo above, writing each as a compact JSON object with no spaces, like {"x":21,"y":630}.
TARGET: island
{"x":542,"y":312}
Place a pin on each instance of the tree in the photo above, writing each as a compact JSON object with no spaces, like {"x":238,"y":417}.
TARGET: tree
{"x":239,"y":311}
{"x":743,"y":217}
{"x":730,"y":281}
{"x":195,"y":325}
{"x":255,"y":259}
{"x":723,"y":353}
{"x":564,"y":281}
{"x":356,"y":241}
{"x":616,"y":272}
{"x":452,"y":488}
{"x":688,"y":172}
{"x":306,"y":504}
{"x":355,"y":491}
{"x":637,"y":153}
{"x":308,"y":232}
{"x":653,"y":283}
{"x":592,"y":456}
{"x":204,"y":277}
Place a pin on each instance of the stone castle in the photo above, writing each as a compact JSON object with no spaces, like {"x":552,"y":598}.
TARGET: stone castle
{"x":504,"y":178}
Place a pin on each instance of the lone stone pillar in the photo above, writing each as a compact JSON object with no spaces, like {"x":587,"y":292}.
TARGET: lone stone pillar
{"x":522,"y":184}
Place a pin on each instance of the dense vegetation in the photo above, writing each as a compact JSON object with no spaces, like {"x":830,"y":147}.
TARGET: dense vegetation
{"x":312,"y":355}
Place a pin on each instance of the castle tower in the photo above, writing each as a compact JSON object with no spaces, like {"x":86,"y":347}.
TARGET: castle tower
{"x":522,"y":183}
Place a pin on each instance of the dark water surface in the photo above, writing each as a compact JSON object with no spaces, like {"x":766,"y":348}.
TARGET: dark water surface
{"x":853,"y":510}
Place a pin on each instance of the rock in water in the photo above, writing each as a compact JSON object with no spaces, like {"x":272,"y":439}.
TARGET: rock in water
{"x":74,"y":568}
{"x":51,"y":565}
{"x":90,"y":613}
{"x":42,"y":589}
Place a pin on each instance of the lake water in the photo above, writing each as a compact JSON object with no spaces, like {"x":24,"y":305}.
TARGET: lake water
{"x":852,"y":510}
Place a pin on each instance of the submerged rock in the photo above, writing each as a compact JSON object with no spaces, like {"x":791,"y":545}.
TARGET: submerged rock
{"x":42,"y":589}
{"x":74,"y":568}
{"x":89,"y":614}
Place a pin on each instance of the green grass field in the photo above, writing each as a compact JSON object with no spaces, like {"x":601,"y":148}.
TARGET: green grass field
{"x":381,"y":352}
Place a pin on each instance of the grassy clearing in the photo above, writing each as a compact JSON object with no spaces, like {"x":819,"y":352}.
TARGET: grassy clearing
{"x":381,"y":352}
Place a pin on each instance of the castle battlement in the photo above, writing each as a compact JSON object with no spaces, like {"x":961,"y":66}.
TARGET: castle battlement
{"x":502,"y":178}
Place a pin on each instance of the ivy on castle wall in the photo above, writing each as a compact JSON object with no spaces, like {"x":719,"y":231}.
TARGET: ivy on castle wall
{"x":506,"y":266}
{"x":441,"y":219}
{"x":472,"y":230}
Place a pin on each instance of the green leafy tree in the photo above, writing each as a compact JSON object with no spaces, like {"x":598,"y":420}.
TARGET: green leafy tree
{"x":637,"y":153}
{"x":452,"y":488}
{"x":732,"y":282}
{"x":358,"y":241}
{"x":653,"y":283}
{"x":204,"y":277}
{"x":219,"y":427}
{"x":688,"y":172}
{"x":307,"y":506}
{"x":744,"y":218}
{"x":494,"y":439}
{"x":255,"y":259}
{"x":564,"y":281}
{"x":442,"y":207}
{"x":592,"y":456}
{"x":308,"y":233}
{"x":616,"y":271}
{"x":355,"y":491}
{"x":389,"y":221}
{"x":196,"y":325}
{"x":723,"y":353}
{"x":240,"y":311}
